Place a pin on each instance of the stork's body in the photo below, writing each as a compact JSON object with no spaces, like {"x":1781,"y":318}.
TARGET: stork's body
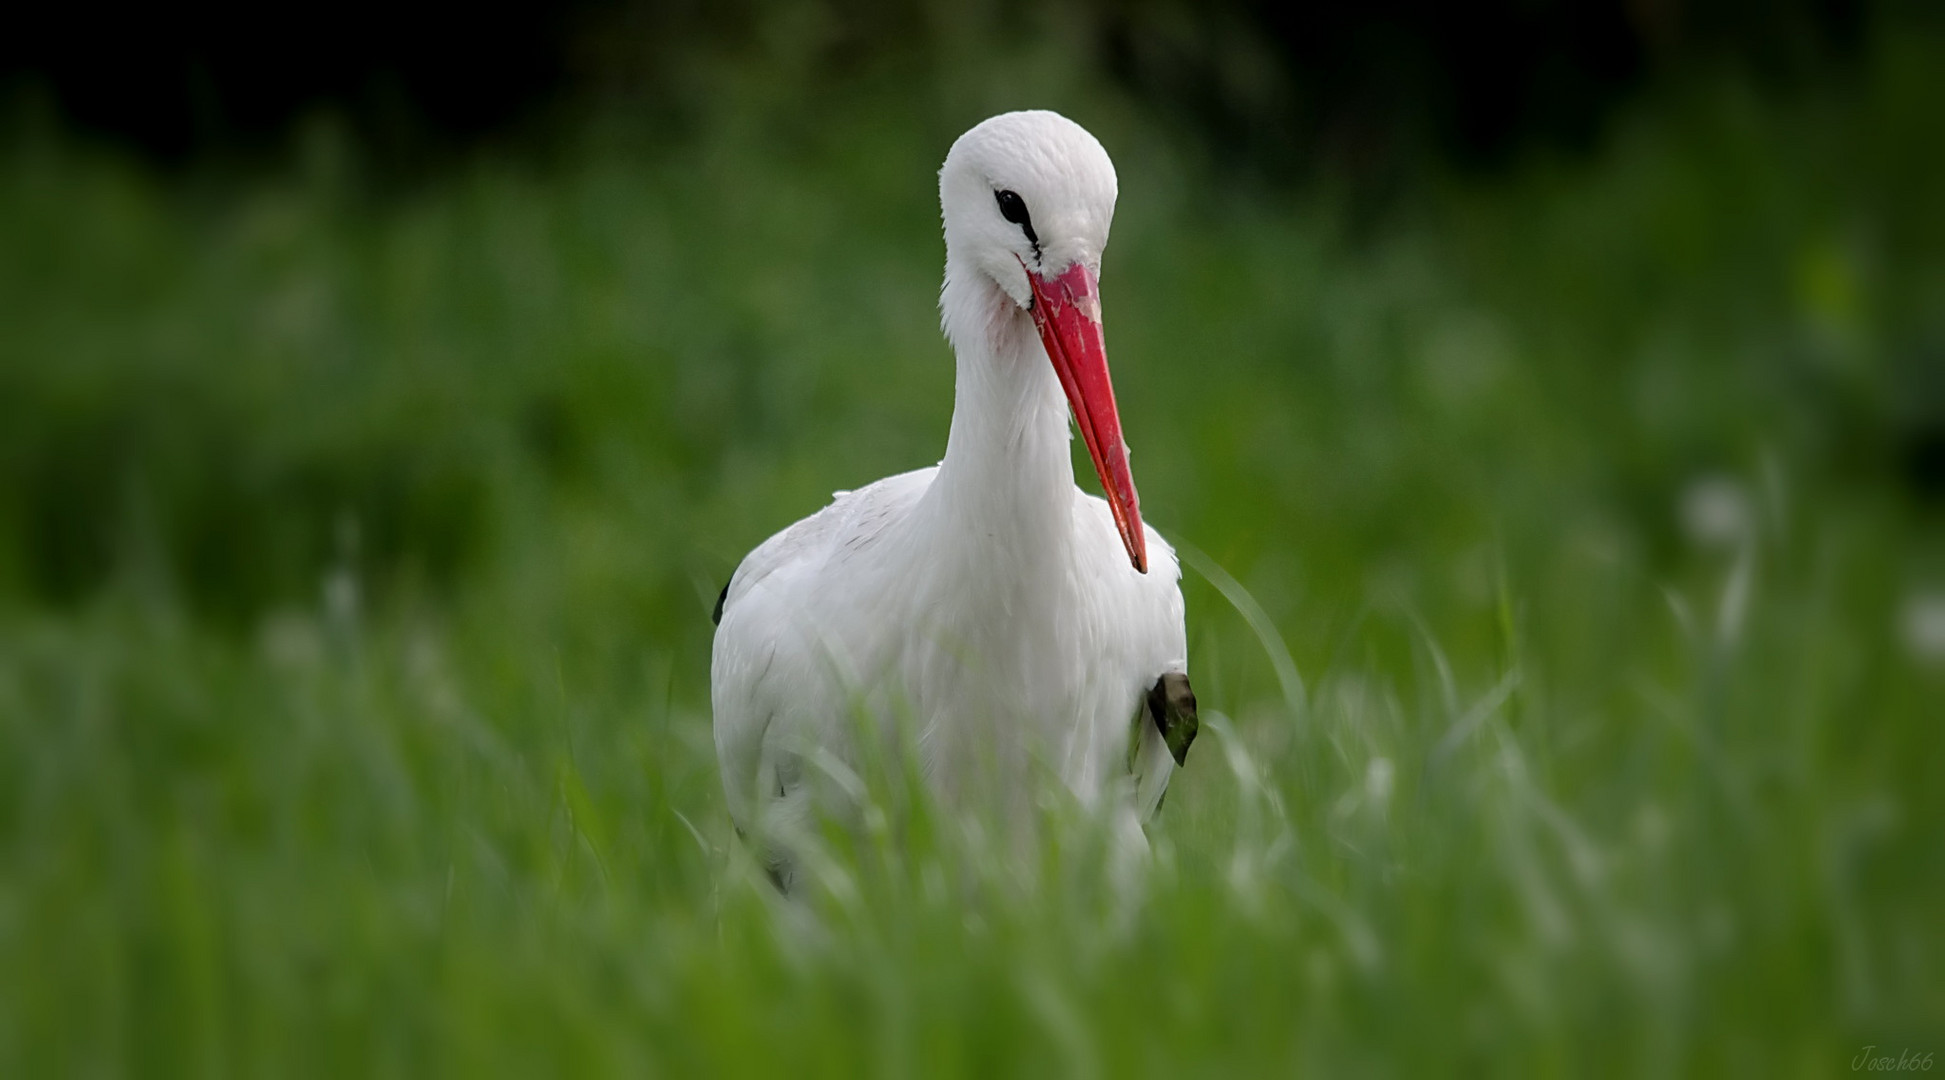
{"x":1013,"y":625}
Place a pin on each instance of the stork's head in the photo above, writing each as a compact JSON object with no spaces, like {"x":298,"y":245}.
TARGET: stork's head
{"x":1027,"y":193}
{"x":1028,"y":198}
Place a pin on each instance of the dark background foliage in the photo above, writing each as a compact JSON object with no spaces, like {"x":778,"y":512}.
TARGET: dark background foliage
{"x":1298,"y":87}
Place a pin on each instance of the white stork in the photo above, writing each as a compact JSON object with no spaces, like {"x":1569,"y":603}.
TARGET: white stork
{"x":1011,"y":625}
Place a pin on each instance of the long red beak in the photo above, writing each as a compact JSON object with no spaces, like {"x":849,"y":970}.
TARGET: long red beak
{"x":1067,"y":309}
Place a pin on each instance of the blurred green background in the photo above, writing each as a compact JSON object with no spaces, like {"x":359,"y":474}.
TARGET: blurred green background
{"x":1550,"y":402}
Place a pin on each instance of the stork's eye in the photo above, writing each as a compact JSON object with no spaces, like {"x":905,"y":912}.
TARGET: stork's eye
{"x":1014,"y":209}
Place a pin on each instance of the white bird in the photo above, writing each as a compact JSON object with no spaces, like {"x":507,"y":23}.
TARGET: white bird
{"x":985,"y":616}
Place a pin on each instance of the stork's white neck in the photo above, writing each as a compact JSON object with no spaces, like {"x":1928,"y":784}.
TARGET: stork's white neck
{"x":1006,"y":487}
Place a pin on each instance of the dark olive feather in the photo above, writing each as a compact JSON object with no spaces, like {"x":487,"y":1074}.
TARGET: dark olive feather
{"x":1171,"y":704}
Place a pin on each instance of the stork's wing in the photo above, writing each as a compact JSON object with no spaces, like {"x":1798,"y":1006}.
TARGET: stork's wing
{"x":850,"y":522}
{"x":1147,"y":611}
{"x":766,"y":656}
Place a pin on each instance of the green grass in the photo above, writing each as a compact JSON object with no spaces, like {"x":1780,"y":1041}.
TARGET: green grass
{"x":357,"y":550}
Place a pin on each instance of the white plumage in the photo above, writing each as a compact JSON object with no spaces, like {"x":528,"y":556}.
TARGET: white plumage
{"x":987,"y":606}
